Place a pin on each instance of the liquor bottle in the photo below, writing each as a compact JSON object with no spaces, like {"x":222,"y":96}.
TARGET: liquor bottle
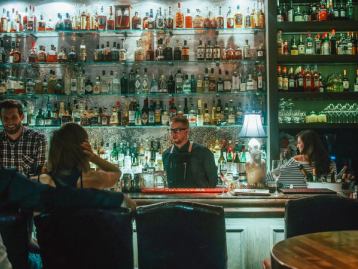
{"x":136,"y":21}
{"x":145,"y":82}
{"x":185,"y":111}
{"x":97,"y":87}
{"x":246,"y":50}
{"x":217,"y":52}
{"x":131,"y":113}
{"x":162,"y":84}
{"x":300,"y":80}
{"x":350,"y":10}
{"x":168,"y":52}
{"x":220,"y":20}
{"x":220,"y":82}
{"x":41,"y":26}
{"x":192,"y":115}
{"x":307,"y":80}
{"x":139,"y":52}
{"x":342,"y":11}
{"x":171,"y":84}
{"x":124,"y":83}
{"x":15,"y":54}
{"x":247,"y":19}
{"x":107,"y":53}
{"x":179,"y":18}
{"x":206,"y":80}
{"x":193,"y":83}
{"x":159,"y":52}
{"x":151,"y":113}
{"x":238,"y":17}
{"x":294,"y":48}
{"x":227,"y":82}
{"x":101,"y":20}
{"x":116,"y":85}
{"x":169,"y":22}
{"x":260,"y":52}
{"x":137,"y":83}
{"x":301,"y":46}
{"x":188,"y":20}
{"x":131,"y":82}
{"x":230,"y":20}
{"x":309,"y":45}
{"x":179,"y":82}
{"x":235,"y":82}
{"x":209,"y":51}
{"x":198,"y":21}
{"x":157,"y":114}
{"x":159,"y":21}
{"x":316,"y":80}
{"x":280,"y":14}
{"x":154,"y":87}
{"x":207,"y":119}
{"x":185,"y":52}
{"x":356,"y":82}
{"x":123,"y":53}
{"x":200,"y":115}
{"x":177,"y":52}
{"x":212,"y":81}
{"x":317,"y":44}
{"x":333,"y":43}
{"x":260,"y":85}
{"x":345,"y":81}
{"x":137,"y":116}
{"x":115,"y":52}
{"x":291,"y":80}
{"x":298,"y":16}
{"x":325,"y":47}
{"x":110,"y":20}
{"x":284,"y":79}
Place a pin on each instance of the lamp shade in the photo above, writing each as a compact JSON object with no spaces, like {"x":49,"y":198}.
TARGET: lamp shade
{"x":252,"y":126}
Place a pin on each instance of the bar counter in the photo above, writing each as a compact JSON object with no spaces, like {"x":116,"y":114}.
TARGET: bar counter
{"x":243,"y":206}
{"x":253,"y":223}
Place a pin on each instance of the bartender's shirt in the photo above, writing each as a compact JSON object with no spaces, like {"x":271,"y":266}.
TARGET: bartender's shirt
{"x":202,"y":163}
{"x":26,"y":154}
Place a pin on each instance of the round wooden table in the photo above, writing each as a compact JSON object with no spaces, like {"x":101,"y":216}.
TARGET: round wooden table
{"x":328,"y":250}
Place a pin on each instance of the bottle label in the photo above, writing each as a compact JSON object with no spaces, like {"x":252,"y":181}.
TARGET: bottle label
{"x":346,"y":84}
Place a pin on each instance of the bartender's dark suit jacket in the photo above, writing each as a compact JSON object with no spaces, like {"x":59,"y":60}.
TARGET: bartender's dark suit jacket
{"x":16,"y":191}
{"x":195,"y":169}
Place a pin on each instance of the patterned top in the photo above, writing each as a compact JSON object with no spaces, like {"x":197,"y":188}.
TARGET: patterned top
{"x":291,"y":174}
{"x":26,"y":154}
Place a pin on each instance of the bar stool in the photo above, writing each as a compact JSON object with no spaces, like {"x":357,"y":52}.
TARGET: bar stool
{"x":178,"y":235}
{"x":14,"y":232}
{"x":320,"y":213}
{"x":86,"y":238}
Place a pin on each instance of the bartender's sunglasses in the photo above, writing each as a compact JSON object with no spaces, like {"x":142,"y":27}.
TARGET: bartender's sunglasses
{"x":177,"y":130}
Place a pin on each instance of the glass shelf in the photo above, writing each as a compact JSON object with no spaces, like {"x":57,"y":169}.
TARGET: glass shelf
{"x":150,"y":95}
{"x":92,"y":63}
{"x":135,"y":127}
{"x":133,"y":32}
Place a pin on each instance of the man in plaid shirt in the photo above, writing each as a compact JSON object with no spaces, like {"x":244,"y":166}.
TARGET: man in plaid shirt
{"x":20,"y":147}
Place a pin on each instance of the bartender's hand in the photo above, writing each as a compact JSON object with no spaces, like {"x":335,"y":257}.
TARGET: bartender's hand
{"x":87,"y":149}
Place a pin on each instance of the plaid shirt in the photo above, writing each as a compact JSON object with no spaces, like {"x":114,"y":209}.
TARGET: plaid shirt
{"x":26,"y":154}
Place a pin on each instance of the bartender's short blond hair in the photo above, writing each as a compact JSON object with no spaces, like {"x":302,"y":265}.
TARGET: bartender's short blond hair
{"x":181,"y":119}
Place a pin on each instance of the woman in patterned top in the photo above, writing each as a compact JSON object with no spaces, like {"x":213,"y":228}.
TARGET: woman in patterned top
{"x":314,"y":158}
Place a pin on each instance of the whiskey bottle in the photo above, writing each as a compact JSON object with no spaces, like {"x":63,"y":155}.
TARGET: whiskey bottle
{"x":291,"y":80}
{"x":179,"y":17}
{"x":136,"y":21}
{"x":168,"y":52}
{"x":246,"y":50}
{"x":185,"y":52}
{"x":145,"y":112}
{"x":171,"y":84}
{"x":72,"y":55}
{"x":169,"y":23}
{"x":177,"y":52}
{"x":217,"y":52}
{"x":159,"y":52}
{"x":206,"y":80}
{"x":212,"y":81}
{"x":200,"y":51}
{"x":230,"y":21}
{"x":198,"y":21}
{"x":238,"y":17}
{"x":122,"y":52}
{"x":209,"y":51}
{"x":188,"y":20}
{"x":110,"y":20}
{"x":207,"y":119}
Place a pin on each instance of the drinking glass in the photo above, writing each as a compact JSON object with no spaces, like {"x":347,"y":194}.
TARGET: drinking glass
{"x":276,"y":173}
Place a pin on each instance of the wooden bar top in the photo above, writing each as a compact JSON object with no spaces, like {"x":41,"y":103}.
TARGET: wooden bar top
{"x":326,"y":250}
{"x":234,"y":206}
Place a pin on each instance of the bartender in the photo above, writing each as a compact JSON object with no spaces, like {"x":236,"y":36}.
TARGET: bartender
{"x":188,"y":164}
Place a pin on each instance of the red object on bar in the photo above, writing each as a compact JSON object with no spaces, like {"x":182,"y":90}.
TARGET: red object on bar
{"x":183,"y":190}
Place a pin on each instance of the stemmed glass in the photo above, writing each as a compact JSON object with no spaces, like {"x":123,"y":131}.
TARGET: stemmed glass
{"x":276,"y":173}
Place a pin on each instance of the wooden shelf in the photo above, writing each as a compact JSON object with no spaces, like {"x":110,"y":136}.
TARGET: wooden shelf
{"x":301,"y":126}
{"x":318,"y":59}
{"x":293,"y":27}
{"x":319,"y":95}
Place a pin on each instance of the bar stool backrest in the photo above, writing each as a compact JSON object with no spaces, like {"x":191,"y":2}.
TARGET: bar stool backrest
{"x":320,"y":213}
{"x":86,"y":238}
{"x":180,"y":235}
{"x":14,"y":232}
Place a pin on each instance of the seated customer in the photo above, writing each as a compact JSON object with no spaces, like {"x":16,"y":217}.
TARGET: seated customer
{"x":69,"y":160}
{"x":312,"y":156}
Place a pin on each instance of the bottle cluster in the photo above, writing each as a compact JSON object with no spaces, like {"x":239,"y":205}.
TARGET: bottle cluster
{"x":132,"y":112}
{"x":319,"y":11}
{"x":309,"y":79}
{"x":137,"y":81}
{"x":329,"y":43}
{"x":118,"y":17}
{"x":116,"y":52}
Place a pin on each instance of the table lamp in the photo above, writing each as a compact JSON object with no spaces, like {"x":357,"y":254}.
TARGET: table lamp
{"x":255,"y":167}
